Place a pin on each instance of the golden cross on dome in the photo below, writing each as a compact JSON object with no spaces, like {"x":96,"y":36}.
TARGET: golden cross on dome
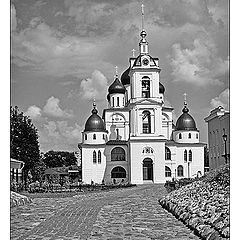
{"x":142,"y":6}
{"x":94,"y":102}
{"x":185,"y":99}
{"x":116,"y":70}
{"x":133,"y":52}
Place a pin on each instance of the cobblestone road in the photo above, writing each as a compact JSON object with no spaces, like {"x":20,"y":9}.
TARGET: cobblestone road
{"x":132,"y":213}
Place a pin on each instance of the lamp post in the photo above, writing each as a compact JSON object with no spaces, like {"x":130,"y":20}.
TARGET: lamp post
{"x":224,"y":136}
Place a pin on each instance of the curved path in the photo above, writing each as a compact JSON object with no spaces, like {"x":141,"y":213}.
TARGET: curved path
{"x":130,"y":213}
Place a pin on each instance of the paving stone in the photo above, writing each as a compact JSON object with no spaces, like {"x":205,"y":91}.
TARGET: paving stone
{"x":132,"y":213}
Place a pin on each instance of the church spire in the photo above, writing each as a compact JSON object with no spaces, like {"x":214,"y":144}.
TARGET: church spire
{"x":143,"y":44}
{"x":142,"y":6}
{"x":94,"y":110}
{"x":185,"y":108}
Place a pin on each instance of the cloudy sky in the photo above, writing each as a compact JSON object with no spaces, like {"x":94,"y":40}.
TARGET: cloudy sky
{"x":64,"y":53}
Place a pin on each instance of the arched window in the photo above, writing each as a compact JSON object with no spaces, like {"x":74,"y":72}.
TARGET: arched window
{"x":118,"y":172}
{"x":94,"y":136}
{"x":118,"y":154}
{"x":180,"y":171}
{"x":146,"y":121}
{"x":113,"y":101}
{"x":167,"y":153}
{"x":85,"y":136}
{"x":103,"y":137}
{"x":189,"y":135}
{"x":180,"y":136}
{"x":190,"y":155}
{"x":117,"y":101}
{"x":99,"y":156}
{"x":185,"y":155}
{"x":94,"y":157}
{"x":168,"y":172}
{"x":145,"y":87}
{"x":196,"y":136}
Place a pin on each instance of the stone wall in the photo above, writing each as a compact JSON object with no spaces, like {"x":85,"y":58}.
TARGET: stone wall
{"x":203,"y":205}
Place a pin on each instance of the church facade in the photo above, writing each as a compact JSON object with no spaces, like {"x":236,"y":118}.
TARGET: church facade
{"x":135,"y":140}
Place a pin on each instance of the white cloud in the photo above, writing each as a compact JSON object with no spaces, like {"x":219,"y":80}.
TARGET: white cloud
{"x":52,"y":108}
{"x":221,"y":100}
{"x":59,"y":135}
{"x":33,"y":112}
{"x":94,"y":87}
{"x":47,"y":51}
{"x":199,"y":65}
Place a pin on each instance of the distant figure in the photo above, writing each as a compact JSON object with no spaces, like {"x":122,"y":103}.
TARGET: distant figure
{"x":92,"y":182}
{"x":114,"y":181}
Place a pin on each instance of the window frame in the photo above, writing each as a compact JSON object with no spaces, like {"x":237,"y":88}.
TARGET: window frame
{"x":180,"y":170}
{"x":118,"y":174}
{"x":185,"y":155}
{"x":146,"y":126}
{"x":118,"y":156}
{"x":99,"y":157}
{"x":167,"y":171}
{"x":94,"y":157}
{"x":168,"y":153}
{"x":190,"y":155}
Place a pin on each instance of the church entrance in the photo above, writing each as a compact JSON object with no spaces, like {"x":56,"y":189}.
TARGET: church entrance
{"x":148,"y":169}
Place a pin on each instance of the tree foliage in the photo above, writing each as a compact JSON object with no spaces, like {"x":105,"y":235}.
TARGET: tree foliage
{"x":59,"y":159}
{"x":24,"y":145}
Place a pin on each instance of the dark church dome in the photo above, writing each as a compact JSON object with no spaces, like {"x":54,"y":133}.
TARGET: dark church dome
{"x":161,"y":88}
{"x":125,"y":78}
{"x":116,"y":87}
{"x":94,"y":123}
{"x":186,"y":121}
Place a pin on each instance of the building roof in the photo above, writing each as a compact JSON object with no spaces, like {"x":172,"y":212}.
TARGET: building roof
{"x":125,"y":78}
{"x":117,"y":142}
{"x":161,"y":88}
{"x":186,"y":121}
{"x":116,"y":87}
{"x":173,"y":143}
{"x":94,"y":122}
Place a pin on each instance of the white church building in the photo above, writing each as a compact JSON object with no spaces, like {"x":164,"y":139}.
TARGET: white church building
{"x":135,"y":140}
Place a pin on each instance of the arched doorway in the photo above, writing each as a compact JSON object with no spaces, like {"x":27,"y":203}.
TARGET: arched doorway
{"x":147,"y":169}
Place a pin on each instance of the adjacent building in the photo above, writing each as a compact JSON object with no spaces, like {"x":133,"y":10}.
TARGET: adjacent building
{"x":219,"y":145}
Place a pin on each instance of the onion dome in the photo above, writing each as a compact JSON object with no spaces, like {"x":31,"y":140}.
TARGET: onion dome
{"x":116,"y":87}
{"x":161,"y":88}
{"x":186,"y":121}
{"x":94,"y":122}
{"x":125,"y":78}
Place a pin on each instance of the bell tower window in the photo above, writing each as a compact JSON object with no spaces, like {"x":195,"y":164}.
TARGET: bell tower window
{"x":117,"y":101}
{"x":145,"y":87}
{"x":146,"y":121}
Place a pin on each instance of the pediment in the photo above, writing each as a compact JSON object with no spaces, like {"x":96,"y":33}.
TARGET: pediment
{"x":147,"y":101}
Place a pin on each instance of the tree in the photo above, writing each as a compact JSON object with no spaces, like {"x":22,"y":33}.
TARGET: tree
{"x":24,"y":144}
{"x":59,"y":159}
